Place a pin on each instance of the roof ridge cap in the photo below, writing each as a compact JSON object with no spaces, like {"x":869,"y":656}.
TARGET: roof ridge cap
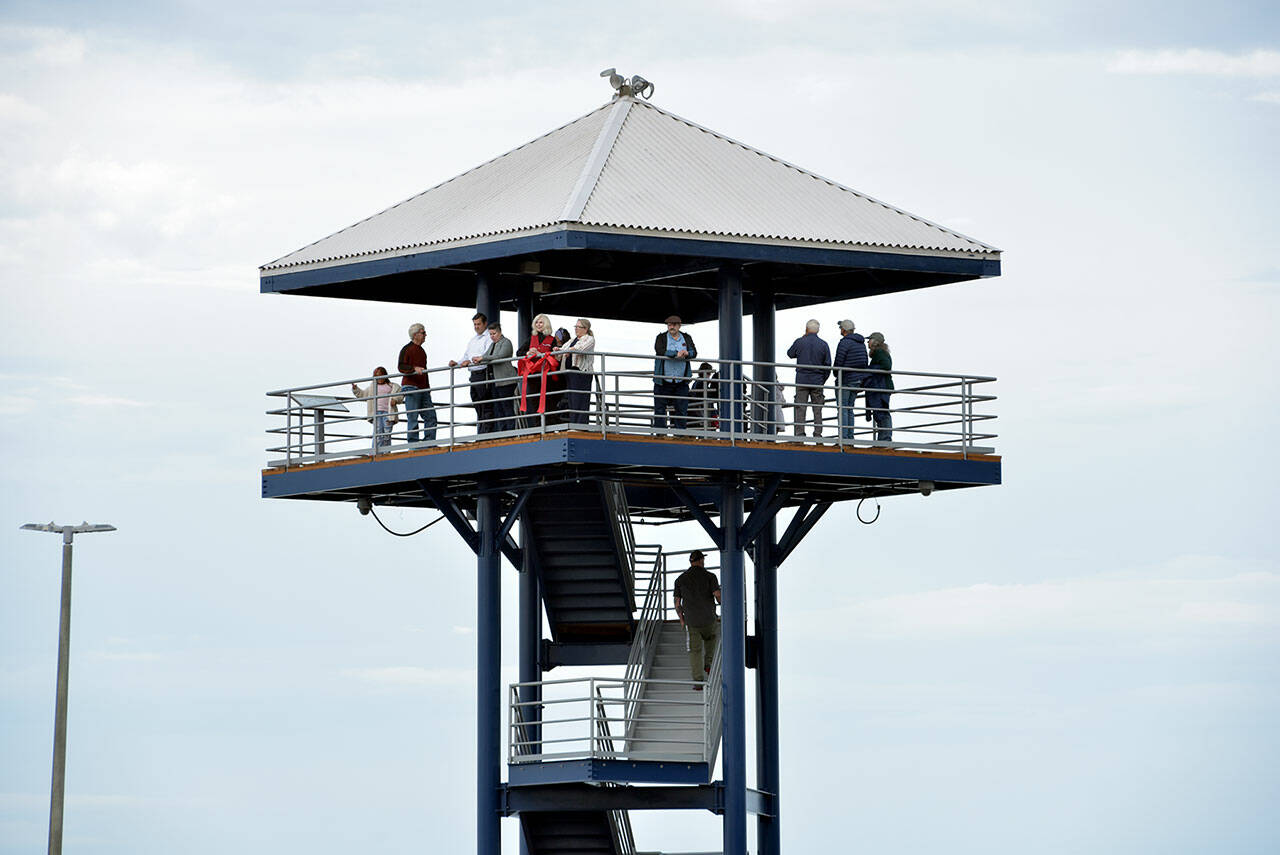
{"x":815,"y":175}
{"x":596,"y":160}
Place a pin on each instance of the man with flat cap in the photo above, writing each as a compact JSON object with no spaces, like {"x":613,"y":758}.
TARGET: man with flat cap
{"x":671,"y":374}
{"x":696,"y":595}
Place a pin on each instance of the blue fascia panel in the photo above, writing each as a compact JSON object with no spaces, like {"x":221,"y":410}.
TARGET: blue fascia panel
{"x":639,"y":244}
{"x":398,"y":468}
{"x":743,"y":459}
{"x":616,"y":771}
{"x":427,"y":260}
{"x":742,"y":251}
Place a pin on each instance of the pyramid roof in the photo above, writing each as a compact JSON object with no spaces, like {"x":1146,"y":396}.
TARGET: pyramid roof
{"x":632,"y":167}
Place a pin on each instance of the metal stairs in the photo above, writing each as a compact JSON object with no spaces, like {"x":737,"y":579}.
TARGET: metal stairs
{"x":582,"y":539}
{"x":570,"y":833}
{"x":668,"y":720}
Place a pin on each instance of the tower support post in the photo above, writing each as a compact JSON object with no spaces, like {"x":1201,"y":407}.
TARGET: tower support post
{"x":487,"y":296}
{"x":488,"y":686}
{"x":768,"y":830}
{"x":730,"y":278}
{"x":733,"y":611}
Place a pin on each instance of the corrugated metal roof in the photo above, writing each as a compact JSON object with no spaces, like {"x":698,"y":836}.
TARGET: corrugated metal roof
{"x":636,"y":167}
{"x":524,"y":189}
{"x":668,"y":174}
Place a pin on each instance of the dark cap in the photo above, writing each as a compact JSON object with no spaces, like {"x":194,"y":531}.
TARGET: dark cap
{"x":673,"y":319}
{"x":696,"y":554}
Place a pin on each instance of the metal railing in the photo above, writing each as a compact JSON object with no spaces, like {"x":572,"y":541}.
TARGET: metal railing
{"x":615,"y":498}
{"x":572,"y":712}
{"x":732,"y":401}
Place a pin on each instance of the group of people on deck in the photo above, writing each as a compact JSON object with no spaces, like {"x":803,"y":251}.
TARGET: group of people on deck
{"x":549,"y":381}
{"x":861,"y":365}
{"x":550,"y":378}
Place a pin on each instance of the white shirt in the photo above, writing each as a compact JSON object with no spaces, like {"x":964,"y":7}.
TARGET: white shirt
{"x":476,"y":347}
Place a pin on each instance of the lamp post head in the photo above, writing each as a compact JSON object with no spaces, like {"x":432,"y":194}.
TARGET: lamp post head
{"x":68,"y":531}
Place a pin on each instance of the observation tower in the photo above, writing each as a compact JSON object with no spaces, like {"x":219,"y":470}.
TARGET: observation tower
{"x":630,"y":213}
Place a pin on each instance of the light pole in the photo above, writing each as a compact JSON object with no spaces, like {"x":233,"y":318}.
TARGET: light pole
{"x":68,"y":533}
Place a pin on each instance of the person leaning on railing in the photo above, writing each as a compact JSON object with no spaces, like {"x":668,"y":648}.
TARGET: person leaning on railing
{"x":579,"y":367}
{"x":479,"y":388}
{"x":535,"y":365}
{"x":502,"y":374}
{"x":671,"y":374}
{"x":882,"y":384}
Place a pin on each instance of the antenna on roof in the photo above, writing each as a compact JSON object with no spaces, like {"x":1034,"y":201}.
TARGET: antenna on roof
{"x":624,"y":87}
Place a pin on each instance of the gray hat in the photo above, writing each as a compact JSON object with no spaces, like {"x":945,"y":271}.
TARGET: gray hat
{"x":846,"y":325}
{"x":875,"y":336}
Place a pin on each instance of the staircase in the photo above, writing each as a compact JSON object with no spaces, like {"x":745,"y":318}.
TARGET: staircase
{"x":582,"y":540}
{"x":669,"y":715}
{"x":569,"y":833}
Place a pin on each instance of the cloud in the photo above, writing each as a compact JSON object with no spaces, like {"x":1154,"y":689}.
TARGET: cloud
{"x":1090,"y":606}
{"x":43,"y":45}
{"x":1258,"y":63}
{"x":410,"y":675}
{"x":1266,"y":97}
{"x":14,"y":109}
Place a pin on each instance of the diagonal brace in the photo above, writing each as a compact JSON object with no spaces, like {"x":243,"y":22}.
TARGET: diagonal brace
{"x":767,"y":505}
{"x":682,"y":493}
{"x":449,"y":508}
{"x":805,"y":519}
{"x":515,"y":514}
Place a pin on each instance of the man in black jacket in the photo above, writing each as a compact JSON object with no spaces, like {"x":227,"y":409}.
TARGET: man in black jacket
{"x":671,"y":373}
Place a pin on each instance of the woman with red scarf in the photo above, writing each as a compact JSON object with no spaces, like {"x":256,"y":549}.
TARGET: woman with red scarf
{"x":533,"y":369}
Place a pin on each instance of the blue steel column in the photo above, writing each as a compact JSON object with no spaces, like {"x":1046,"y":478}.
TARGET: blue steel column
{"x":530,"y":638}
{"x":524,"y":314}
{"x":733,"y":614}
{"x":733,"y":593}
{"x":768,"y":836}
{"x":768,"y":828}
{"x":731,"y":345}
{"x":487,"y":295}
{"x":488,"y":688}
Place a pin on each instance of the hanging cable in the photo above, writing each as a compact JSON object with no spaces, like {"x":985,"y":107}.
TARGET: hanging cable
{"x":858,"y":511}
{"x":404,"y":534}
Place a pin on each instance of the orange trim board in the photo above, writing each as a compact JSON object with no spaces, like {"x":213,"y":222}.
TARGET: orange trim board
{"x":573,"y":434}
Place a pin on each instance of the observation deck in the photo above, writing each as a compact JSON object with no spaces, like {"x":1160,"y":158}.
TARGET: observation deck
{"x":942,"y":439}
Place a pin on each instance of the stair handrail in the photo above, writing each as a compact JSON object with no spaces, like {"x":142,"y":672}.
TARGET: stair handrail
{"x":644,"y":641}
{"x":713,"y":719}
{"x":615,"y":497}
{"x":624,"y":842}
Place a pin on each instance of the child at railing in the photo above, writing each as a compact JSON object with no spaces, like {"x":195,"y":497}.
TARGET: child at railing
{"x":383,"y":397}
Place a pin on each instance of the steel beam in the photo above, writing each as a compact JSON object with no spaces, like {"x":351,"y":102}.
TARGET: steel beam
{"x":682,"y":493}
{"x":560,"y":797}
{"x":487,"y":295}
{"x":803,"y":522}
{"x":733,"y":611}
{"x":488,"y":678}
{"x":768,"y":835}
{"x":730,"y":281}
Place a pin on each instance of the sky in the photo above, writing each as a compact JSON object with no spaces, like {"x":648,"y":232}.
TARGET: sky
{"x":1083,"y":659}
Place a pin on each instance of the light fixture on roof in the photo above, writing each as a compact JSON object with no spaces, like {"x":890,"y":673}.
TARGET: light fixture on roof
{"x":623,"y":86}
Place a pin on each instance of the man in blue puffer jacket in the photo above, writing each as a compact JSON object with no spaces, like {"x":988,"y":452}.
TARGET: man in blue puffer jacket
{"x":813,"y":366}
{"x":851,"y":355}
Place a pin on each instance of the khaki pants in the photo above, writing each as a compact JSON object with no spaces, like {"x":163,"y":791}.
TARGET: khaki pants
{"x":813,"y":395}
{"x":702,"y":649}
